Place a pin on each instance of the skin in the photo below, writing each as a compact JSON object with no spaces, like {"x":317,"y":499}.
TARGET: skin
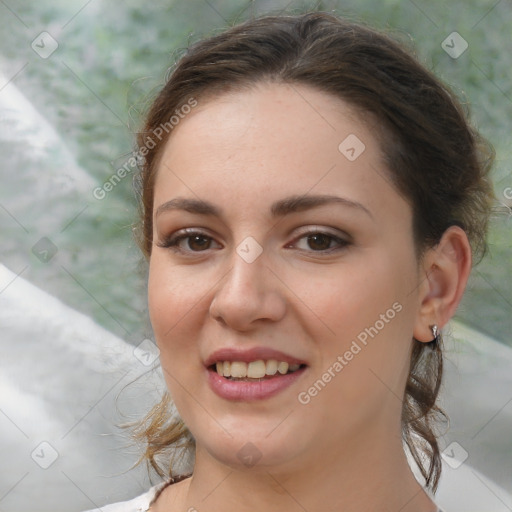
{"x":309,"y":298}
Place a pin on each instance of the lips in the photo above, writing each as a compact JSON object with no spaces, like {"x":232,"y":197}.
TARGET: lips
{"x":252,"y":374}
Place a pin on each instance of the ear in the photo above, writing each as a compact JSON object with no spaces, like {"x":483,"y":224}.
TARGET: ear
{"x":444,"y":272}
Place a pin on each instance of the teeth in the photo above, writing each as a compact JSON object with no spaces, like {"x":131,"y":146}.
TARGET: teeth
{"x":255,"y":369}
{"x":238,"y":369}
{"x":283,"y":367}
{"x":272,"y":365}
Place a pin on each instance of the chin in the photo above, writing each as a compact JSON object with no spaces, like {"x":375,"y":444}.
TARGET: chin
{"x":251,"y":448}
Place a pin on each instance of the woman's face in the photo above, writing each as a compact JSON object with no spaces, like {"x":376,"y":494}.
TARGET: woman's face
{"x":299,"y":251}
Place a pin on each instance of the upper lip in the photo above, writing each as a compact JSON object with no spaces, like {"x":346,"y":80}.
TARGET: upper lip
{"x":251,"y":354}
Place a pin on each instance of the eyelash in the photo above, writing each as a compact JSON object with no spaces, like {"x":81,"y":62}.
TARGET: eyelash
{"x":172,"y":242}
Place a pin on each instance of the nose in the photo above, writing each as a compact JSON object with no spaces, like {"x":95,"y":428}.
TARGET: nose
{"x":249,"y":294}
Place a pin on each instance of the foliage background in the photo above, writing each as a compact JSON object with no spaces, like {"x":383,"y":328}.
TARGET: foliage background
{"x":113,"y":56}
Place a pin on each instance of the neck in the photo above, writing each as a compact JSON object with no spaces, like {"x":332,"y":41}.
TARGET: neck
{"x":369,"y":474}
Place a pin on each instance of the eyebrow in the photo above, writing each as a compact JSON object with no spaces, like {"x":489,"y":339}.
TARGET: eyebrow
{"x":286,"y":206}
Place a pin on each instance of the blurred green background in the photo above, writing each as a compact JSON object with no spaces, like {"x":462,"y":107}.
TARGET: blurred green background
{"x":113,"y":56}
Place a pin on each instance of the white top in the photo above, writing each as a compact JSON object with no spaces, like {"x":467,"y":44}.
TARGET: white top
{"x":139,"y":504}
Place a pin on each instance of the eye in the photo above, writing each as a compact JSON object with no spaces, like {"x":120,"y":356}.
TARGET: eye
{"x":320,"y":241}
{"x":194,"y":241}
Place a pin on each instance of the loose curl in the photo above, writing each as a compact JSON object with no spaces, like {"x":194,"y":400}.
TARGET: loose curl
{"x":433,"y":156}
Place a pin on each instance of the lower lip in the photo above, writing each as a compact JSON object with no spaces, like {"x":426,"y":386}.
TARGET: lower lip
{"x":239,"y":390}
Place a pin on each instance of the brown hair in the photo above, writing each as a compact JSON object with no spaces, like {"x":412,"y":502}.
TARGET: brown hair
{"x":434,"y":158}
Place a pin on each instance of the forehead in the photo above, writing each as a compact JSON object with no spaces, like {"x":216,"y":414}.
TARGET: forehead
{"x":254,"y":146}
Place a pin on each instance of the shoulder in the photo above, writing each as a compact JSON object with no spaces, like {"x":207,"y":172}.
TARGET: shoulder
{"x":139,"y":504}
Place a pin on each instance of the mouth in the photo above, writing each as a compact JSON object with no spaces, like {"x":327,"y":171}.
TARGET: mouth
{"x":254,"y":371}
{"x":250,"y":374}
{"x":249,"y":381}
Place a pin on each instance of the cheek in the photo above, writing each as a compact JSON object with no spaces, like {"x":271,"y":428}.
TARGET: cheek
{"x":174,"y":308}
{"x":171,"y":295}
{"x":351,"y":297}
{"x":360,"y":311}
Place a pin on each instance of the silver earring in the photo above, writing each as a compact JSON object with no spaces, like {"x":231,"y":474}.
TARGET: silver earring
{"x":435,"y":332}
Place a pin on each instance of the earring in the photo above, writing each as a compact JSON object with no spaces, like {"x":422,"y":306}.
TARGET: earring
{"x":435,"y":333}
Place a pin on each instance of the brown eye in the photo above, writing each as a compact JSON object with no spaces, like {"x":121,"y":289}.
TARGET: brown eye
{"x":319,"y":241}
{"x":198,"y":242}
{"x":188,"y":242}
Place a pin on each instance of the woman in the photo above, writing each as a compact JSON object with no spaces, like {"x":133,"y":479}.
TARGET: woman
{"x":311,"y":197}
